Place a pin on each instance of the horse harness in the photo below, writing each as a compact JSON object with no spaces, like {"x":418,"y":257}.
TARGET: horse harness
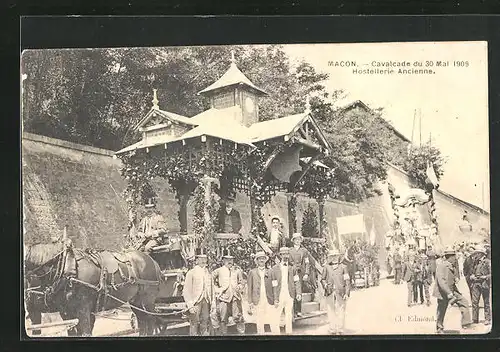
{"x":111,"y":263}
{"x":58,"y":279}
{"x":65,"y":273}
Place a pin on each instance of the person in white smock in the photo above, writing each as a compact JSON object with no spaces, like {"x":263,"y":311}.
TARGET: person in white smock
{"x":260,"y":295}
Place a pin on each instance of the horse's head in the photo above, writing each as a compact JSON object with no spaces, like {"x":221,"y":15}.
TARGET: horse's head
{"x":37,"y":255}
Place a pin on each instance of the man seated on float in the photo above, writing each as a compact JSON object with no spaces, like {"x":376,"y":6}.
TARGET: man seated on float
{"x":229,"y":218}
{"x":152,"y":228}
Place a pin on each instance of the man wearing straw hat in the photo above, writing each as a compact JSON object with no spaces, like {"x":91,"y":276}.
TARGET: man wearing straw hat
{"x":286,"y":287}
{"x":479,"y":278}
{"x":260,"y":295}
{"x":228,"y":287}
{"x":446,"y":291}
{"x":336,"y":283}
{"x":300,"y":258}
{"x":198,"y":295}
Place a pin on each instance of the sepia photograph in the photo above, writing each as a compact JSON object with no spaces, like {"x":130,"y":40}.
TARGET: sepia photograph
{"x":256,"y":190}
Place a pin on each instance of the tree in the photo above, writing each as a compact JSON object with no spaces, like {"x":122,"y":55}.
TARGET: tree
{"x":416,"y":163}
{"x":97,"y":96}
{"x":310,"y":222}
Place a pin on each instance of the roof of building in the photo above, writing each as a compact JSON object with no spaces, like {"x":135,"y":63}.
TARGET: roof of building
{"x":276,"y":128}
{"x":361,"y":104}
{"x":440,"y":191}
{"x":169,"y":115}
{"x":218,"y":116}
{"x":233,"y":76}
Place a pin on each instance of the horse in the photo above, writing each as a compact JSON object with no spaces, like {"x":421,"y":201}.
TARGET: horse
{"x":52,"y":287}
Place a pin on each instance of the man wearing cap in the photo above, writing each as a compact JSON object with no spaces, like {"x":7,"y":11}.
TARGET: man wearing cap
{"x":336,"y":283}
{"x":286,"y":287}
{"x":260,"y":295}
{"x":198,"y":295}
{"x":228,"y":287}
{"x":409,"y":277}
{"x":301,"y":260}
{"x":229,"y":218}
{"x":446,"y":291}
{"x":423,"y":278}
{"x":431,"y":255}
{"x":151,"y":228}
{"x":479,"y":278}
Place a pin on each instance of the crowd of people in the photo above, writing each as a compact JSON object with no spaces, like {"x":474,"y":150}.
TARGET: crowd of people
{"x":275,"y":286}
{"x":213,"y":297}
{"x":445,"y":268}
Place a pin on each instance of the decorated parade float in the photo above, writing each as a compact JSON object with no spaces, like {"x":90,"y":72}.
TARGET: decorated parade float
{"x":217,"y":154}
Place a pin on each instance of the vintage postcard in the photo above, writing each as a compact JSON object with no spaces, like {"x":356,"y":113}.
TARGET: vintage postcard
{"x":305,"y":189}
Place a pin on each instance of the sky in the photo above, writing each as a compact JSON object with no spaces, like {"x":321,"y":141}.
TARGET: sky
{"x":452,"y":102}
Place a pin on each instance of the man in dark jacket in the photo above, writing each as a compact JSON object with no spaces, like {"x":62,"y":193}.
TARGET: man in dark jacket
{"x":423,"y":279}
{"x":335,"y":281}
{"x":409,"y":278}
{"x":479,"y":278}
{"x":431,"y":255}
{"x":229,"y":218}
{"x":398,"y":266}
{"x":260,"y":295}
{"x":446,"y":292}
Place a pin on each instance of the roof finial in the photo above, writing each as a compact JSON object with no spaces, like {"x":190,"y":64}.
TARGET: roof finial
{"x":155,"y":100}
{"x":232,"y":57}
{"x":308,"y":105}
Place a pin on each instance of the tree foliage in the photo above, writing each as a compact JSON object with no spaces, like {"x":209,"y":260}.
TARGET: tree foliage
{"x":416,"y":163}
{"x":310,"y":226}
{"x":97,"y":96}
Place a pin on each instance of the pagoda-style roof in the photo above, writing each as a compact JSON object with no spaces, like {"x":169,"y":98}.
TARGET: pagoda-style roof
{"x":232,"y":77}
{"x":221,"y":124}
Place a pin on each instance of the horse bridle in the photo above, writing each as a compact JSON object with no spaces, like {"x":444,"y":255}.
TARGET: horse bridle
{"x":31,"y":273}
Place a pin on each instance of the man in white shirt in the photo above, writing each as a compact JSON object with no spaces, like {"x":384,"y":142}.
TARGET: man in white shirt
{"x":260,"y":295}
{"x":286,"y":287}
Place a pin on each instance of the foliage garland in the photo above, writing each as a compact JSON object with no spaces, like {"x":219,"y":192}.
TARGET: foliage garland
{"x":205,"y":231}
{"x":243,"y":251}
{"x":416,"y":164}
{"x":366,"y":254}
{"x":310,"y":222}
{"x":318,"y":250}
{"x":139,"y":168}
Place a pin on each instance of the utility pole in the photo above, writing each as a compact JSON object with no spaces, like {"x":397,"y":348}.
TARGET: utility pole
{"x":420,"y":126}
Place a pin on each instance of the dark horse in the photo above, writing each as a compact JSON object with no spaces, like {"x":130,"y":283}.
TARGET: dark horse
{"x":76,"y":296}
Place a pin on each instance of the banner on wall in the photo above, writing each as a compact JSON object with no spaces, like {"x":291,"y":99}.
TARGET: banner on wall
{"x":353,"y":224}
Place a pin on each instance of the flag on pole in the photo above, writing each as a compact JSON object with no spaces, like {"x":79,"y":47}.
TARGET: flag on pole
{"x":431,"y":175}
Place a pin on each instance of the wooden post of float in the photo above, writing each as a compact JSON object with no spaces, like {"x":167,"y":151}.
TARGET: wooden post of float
{"x":207,"y":182}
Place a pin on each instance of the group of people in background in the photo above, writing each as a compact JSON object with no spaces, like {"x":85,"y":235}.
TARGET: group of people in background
{"x":445,"y":268}
{"x":416,"y":268}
